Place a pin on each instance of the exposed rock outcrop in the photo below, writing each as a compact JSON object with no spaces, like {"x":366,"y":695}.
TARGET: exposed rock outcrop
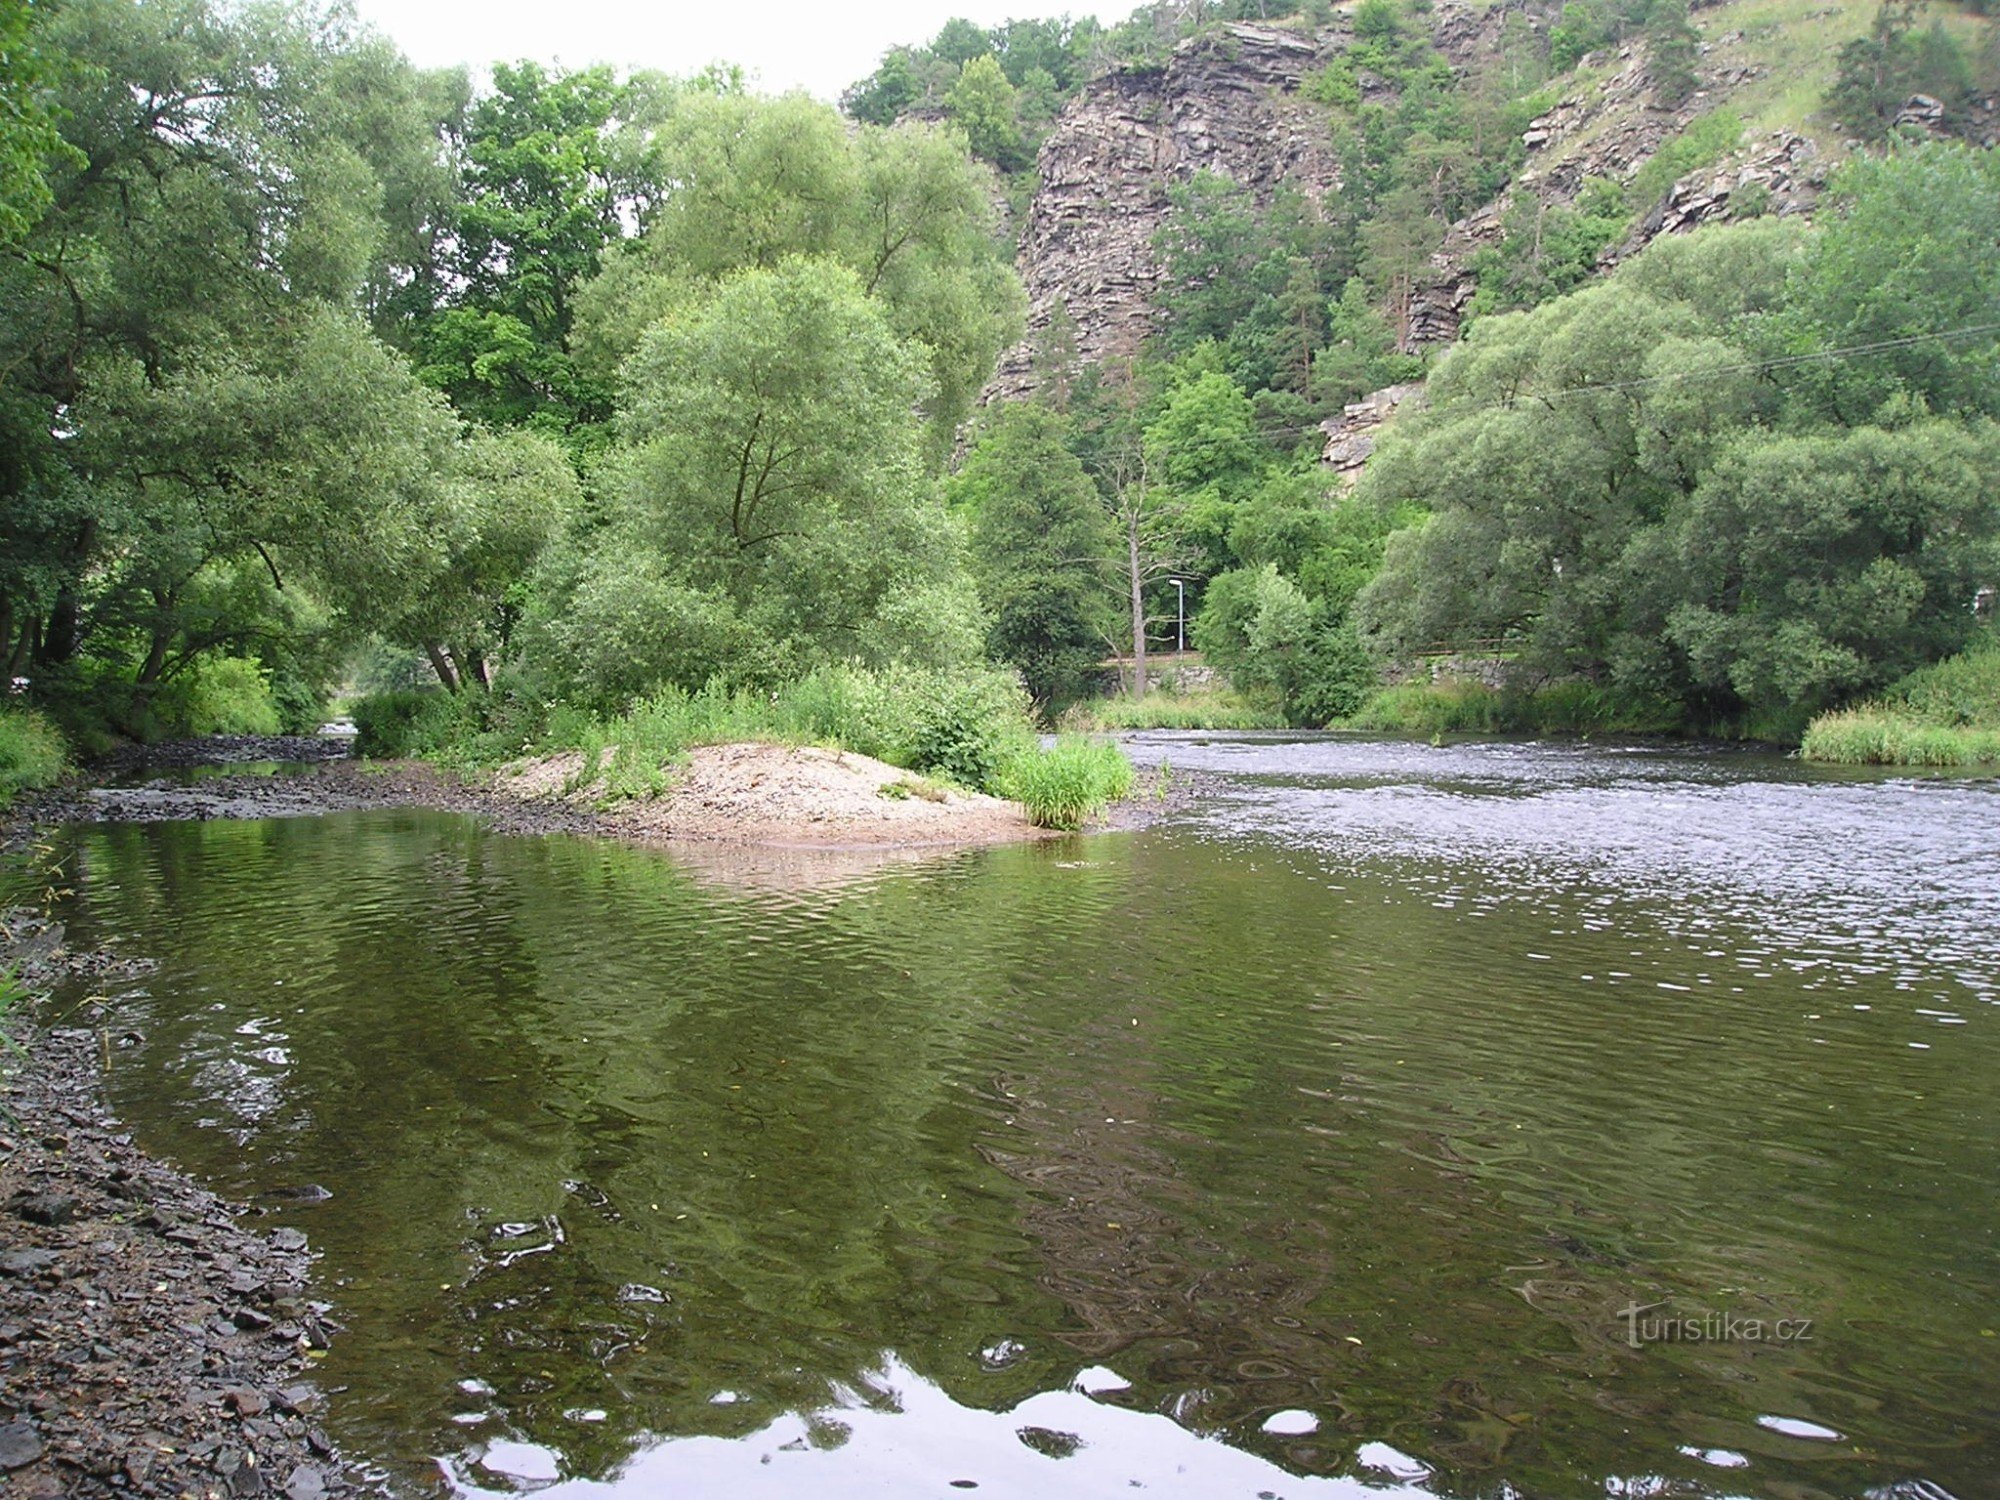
{"x":1351,"y":436}
{"x":1225,"y":103}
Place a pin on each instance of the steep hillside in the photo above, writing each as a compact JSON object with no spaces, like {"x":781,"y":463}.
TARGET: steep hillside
{"x":1752,"y":135}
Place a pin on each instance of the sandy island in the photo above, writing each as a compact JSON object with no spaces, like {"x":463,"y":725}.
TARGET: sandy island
{"x":781,"y":795}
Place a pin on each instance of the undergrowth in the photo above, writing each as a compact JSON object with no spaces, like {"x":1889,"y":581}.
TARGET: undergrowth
{"x":31,"y":752}
{"x":1068,"y":784}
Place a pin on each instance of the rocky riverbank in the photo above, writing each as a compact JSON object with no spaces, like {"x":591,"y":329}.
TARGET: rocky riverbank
{"x":154,"y":1339}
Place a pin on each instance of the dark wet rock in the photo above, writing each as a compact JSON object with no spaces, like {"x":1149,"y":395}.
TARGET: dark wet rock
{"x":307,"y":1192}
{"x":20,"y":1445}
{"x":47,"y":1208}
{"x":137,"y":1355}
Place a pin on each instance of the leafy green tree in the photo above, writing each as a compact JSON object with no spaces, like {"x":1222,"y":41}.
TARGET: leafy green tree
{"x":759,"y":180}
{"x":29,"y":138}
{"x":883,"y":96}
{"x":767,"y":508}
{"x":1877,"y":73}
{"x":506,"y":497}
{"x":1686,"y":483}
{"x":1814,"y":567}
{"x":187,"y":399}
{"x":1271,"y":638}
{"x":538,"y":210}
{"x":983,"y":104}
{"x":1672,"y":46}
{"x":1043,"y":550}
{"x":1902,"y":272}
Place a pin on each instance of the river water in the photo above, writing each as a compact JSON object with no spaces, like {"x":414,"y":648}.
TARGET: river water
{"x":1481,"y":1120}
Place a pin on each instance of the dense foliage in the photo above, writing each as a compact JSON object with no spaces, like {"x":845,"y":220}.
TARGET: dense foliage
{"x":577,"y":385}
{"x":1753,"y":474}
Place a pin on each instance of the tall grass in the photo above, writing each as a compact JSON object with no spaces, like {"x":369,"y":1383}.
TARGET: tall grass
{"x":1428,"y":708}
{"x":1211,"y":709}
{"x":31,"y":752}
{"x":1068,"y":784}
{"x":1946,"y":714}
{"x":1874,"y":735}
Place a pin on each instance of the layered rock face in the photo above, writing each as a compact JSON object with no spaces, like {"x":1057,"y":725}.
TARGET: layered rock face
{"x":1227,"y":104}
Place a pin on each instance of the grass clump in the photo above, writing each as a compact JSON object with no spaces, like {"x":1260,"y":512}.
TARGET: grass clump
{"x":1946,"y":714}
{"x":1067,"y":784}
{"x":31,"y":752}
{"x":1212,"y":709}
{"x":1873,"y":735}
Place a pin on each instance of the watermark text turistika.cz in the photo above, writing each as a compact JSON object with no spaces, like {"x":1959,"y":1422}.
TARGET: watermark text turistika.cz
{"x":1649,"y":1325}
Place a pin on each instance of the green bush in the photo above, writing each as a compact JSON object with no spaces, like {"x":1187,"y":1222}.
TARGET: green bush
{"x":1067,"y":784}
{"x":219,"y":695}
{"x":1454,"y":707}
{"x":408,"y":722}
{"x":964,"y":727}
{"x":1946,"y":714}
{"x":31,"y":752}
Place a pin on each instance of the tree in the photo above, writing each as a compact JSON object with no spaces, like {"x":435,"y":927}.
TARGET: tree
{"x":538,"y":210}
{"x":1822,"y":565}
{"x":983,"y":104}
{"x":758,"y":180}
{"x":1672,"y":45}
{"x":1904,"y":271}
{"x":1619,"y":488}
{"x":29,"y":138}
{"x":188,"y":401}
{"x":1043,"y":550}
{"x":1271,"y":638}
{"x":506,"y":498}
{"x":766,"y":509}
{"x":1877,"y":73}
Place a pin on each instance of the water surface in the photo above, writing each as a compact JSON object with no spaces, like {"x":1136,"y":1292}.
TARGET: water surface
{"x":1317,"y":1143}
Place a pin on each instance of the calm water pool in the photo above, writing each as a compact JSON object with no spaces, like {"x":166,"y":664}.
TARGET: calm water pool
{"x":1458,"y":1122}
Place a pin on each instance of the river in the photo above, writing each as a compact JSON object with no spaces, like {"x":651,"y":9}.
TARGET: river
{"x":1475,"y":1120}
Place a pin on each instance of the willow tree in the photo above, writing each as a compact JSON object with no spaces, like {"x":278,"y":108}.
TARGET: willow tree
{"x":767,"y":508}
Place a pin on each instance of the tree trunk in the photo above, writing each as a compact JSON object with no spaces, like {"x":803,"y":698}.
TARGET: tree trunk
{"x":1136,"y":572}
{"x":24,"y":648}
{"x":441,"y":664}
{"x":472,"y":668}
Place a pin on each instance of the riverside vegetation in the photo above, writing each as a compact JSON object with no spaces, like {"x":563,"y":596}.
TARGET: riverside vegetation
{"x":582,"y":391}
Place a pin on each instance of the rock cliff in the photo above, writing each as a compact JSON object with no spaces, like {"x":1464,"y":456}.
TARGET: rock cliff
{"x":1225,"y":103}
{"x":1229,"y":102}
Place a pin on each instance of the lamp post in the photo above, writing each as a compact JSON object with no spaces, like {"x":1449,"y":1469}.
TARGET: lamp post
{"x":1180,"y":611}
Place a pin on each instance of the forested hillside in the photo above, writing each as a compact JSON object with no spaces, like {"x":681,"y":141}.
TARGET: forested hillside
{"x":1249,"y":241}
{"x":560,"y":391}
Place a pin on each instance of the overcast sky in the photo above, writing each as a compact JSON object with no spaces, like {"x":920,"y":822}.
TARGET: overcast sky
{"x":818,"y":45}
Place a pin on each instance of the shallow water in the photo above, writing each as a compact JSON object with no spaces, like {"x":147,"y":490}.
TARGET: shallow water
{"x":1310,"y":1145}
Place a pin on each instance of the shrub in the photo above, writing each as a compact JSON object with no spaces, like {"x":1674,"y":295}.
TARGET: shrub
{"x":1453,"y":707}
{"x":1067,"y":784}
{"x":411,"y":722}
{"x":219,"y":695}
{"x":964,"y":728}
{"x":31,"y":752}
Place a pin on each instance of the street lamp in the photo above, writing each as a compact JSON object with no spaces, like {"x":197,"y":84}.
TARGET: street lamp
{"x":1180,"y":610}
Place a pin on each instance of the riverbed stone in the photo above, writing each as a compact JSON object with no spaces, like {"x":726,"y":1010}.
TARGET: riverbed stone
{"x":20,"y":1445}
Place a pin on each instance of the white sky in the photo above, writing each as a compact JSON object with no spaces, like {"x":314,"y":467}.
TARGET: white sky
{"x":818,"y":45}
